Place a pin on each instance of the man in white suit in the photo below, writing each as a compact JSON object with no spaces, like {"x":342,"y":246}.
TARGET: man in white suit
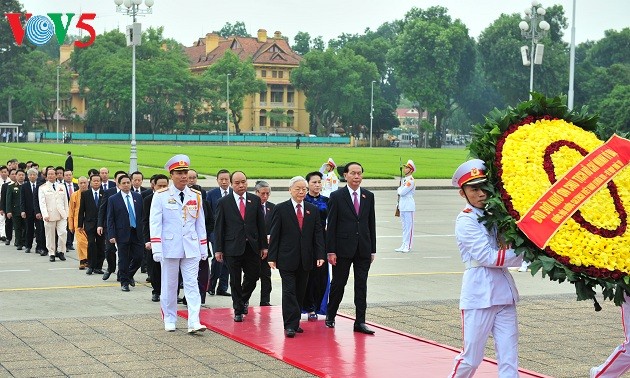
{"x":53,"y":204}
{"x":178,"y":241}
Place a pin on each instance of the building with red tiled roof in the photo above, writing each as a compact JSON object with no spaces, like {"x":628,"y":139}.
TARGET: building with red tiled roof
{"x":273,"y":61}
{"x":409,"y":118}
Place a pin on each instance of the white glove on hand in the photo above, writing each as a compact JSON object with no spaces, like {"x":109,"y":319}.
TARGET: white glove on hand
{"x":204,"y":256}
{"x":157,"y":257}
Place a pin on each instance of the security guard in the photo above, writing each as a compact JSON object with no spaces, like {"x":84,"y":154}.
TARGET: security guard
{"x":407,"y":206}
{"x":488,"y":296}
{"x":330,"y":181}
{"x":178,"y":242}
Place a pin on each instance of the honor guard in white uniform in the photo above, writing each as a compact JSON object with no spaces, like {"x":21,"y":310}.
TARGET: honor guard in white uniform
{"x":178,"y":242}
{"x":330,"y":181}
{"x":618,"y":362}
{"x":407,"y":206}
{"x":488,"y":296}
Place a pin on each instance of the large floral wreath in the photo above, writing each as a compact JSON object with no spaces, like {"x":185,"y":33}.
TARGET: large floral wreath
{"x":526,"y":149}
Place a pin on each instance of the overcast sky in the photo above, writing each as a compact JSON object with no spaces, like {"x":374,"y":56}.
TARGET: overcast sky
{"x":187,"y":20}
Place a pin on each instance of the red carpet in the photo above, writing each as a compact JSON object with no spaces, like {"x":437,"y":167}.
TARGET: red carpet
{"x":339,"y":352}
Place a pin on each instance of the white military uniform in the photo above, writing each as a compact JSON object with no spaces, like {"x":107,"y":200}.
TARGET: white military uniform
{"x":330,"y":181}
{"x":407,"y":208}
{"x":178,"y":232}
{"x":619,"y":361}
{"x":488,"y":297}
{"x":53,"y":204}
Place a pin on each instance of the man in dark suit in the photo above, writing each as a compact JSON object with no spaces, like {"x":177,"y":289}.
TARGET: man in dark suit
{"x":124,"y":228}
{"x":136,"y":182}
{"x":106,"y":183}
{"x":88,"y":220}
{"x":69,"y":165}
{"x":101,"y":226}
{"x":350,"y":240}
{"x":159,"y":181}
{"x":27,"y":201}
{"x":240,"y":238}
{"x":263,"y":191}
{"x":8,"y":223}
{"x":14,"y":209}
{"x":295,"y":242}
{"x":218,"y":269}
{"x":71,"y":187}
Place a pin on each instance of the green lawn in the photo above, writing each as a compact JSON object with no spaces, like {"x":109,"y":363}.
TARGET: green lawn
{"x":255,"y":161}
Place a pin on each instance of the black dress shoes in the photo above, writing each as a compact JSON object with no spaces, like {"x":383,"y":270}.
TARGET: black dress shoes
{"x":52,"y":258}
{"x":289,"y":332}
{"x":211,"y":291}
{"x":8,"y":242}
{"x":19,"y":247}
{"x":245,"y":308}
{"x":238,"y":318}
{"x":89,"y":271}
{"x":362,"y":328}
{"x":299,"y":330}
{"x":70,"y":248}
{"x":27,"y":250}
{"x":43,"y":253}
{"x":106,"y":275}
{"x":155,"y":297}
{"x":61,"y":256}
{"x":133,"y":282}
{"x":223,"y":294}
{"x":124,"y":287}
{"x":98,"y":271}
{"x":329,"y":323}
{"x":265,"y":304}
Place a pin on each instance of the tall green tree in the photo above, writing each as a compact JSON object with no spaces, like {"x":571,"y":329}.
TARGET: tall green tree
{"x":429,"y":60}
{"x":238,"y":29}
{"x":499,"y":48}
{"x":242,"y":81}
{"x":302,"y":43}
{"x":337,"y":85}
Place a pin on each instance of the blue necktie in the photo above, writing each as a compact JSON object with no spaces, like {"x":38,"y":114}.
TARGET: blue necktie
{"x":96,"y":198}
{"x":132,"y":217}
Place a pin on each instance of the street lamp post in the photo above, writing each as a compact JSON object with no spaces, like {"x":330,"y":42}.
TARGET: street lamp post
{"x":132,"y":8}
{"x":57,"y":108}
{"x":533,"y":27}
{"x":371,"y":111}
{"x":227,"y":108}
{"x":572,"y":62}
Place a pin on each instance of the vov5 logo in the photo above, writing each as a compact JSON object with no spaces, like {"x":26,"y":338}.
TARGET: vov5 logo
{"x":40,"y":29}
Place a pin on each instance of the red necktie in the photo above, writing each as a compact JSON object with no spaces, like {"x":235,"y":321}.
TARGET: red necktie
{"x":356,"y":203}
{"x":241,"y":207}
{"x":299,"y":214}
{"x":70,"y":188}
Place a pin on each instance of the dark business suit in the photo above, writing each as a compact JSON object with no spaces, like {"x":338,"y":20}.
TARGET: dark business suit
{"x":110,"y":249}
{"x":218,"y":270}
{"x":129,"y":238}
{"x":352,"y":238}
{"x":40,"y":234}
{"x":13,"y":206}
{"x":28,"y":206}
{"x":241,"y":242}
{"x":110,"y":184}
{"x":75,"y":187}
{"x":8,"y":223}
{"x":154,"y":269}
{"x":294,"y":250}
{"x":88,"y":220}
{"x":265,"y":270}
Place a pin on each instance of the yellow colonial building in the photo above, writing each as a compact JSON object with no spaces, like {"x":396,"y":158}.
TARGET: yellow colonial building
{"x":273,"y":61}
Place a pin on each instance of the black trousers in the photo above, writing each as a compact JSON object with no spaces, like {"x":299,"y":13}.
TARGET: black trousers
{"x":154,"y":270}
{"x":18,"y":227}
{"x":219,"y":272}
{"x":8,"y":228}
{"x":293,"y":289}
{"x":29,"y":231}
{"x":316,"y":289}
{"x":203,"y":278}
{"x":40,"y":235}
{"x":265,"y":281}
{"x":96,"y":253}
{"x":69,"y":238}
{"x":110,"y":255}
{"x":340,"y":274}
{"x":244,"y":272}
{"x":129,"y":257}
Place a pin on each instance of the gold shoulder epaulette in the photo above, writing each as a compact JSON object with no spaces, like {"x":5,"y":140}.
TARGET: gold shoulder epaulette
{"x":161,"y":190}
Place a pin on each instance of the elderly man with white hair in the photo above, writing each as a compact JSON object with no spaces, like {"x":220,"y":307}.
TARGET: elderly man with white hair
{"x":296,"y":240}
